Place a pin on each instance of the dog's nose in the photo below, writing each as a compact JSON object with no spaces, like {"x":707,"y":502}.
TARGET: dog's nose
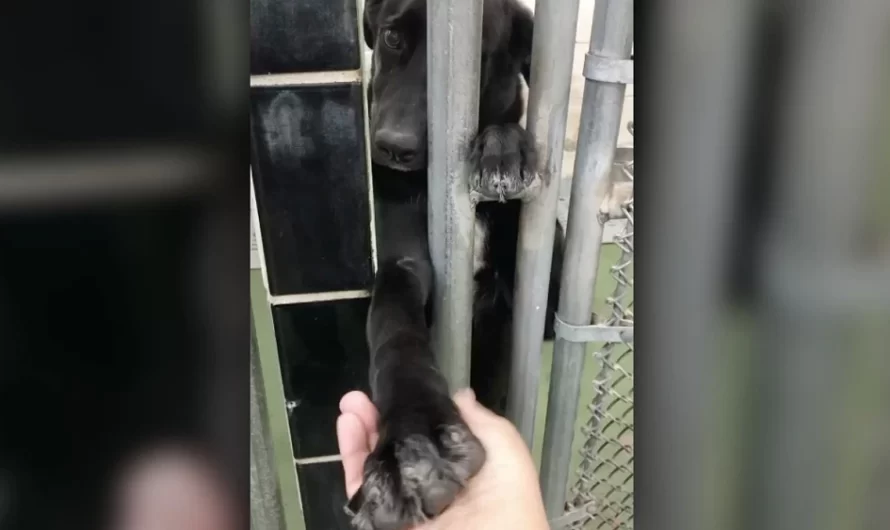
{"x":397,"y":146}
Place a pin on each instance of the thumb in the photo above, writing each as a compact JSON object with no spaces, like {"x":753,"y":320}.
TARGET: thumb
{"x":472,"y":411}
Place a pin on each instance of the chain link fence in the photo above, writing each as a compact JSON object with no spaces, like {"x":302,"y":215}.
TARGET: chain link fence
{"x":603,"y":482}
{"x":600,"y":494}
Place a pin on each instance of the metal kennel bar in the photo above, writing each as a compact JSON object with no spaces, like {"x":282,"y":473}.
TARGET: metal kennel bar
{"x":821,"y":284}
{"x":551,"y":73}
{"x":607,"y":68}
{"x":454,"y":36}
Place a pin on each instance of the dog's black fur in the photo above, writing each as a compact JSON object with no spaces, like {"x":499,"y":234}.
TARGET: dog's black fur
{"x":425,"y":452}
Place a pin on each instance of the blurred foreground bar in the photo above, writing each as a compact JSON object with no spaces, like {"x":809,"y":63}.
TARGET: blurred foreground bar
{"x":822,"y":288}
{"x":123,"y":301}
{"x":768,"y":411}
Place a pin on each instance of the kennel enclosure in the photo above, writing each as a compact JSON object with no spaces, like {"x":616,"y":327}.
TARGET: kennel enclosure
{"x":309,"y":147}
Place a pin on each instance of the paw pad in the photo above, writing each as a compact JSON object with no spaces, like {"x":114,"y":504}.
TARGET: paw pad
{"x":411,"y":479}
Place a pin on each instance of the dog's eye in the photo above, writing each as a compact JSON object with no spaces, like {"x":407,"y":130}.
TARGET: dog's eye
{"x":392,"y":39}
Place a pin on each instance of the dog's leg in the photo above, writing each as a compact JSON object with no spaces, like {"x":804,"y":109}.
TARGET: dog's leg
{"x":425,"y":453}
{"x":491,"y":355}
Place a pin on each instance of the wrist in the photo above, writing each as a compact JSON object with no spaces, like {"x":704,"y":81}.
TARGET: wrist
{"x":515,"y":508}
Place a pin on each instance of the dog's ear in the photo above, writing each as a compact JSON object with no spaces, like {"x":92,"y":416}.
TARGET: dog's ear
{"x":521,"y":38}
{"x":369,"y":17}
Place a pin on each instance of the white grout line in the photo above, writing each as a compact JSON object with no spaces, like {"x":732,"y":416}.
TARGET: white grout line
{"x":255,"y":219}
{"x":287,"y":299}
{"x":317,"y":459}
{"x":307,"y":78}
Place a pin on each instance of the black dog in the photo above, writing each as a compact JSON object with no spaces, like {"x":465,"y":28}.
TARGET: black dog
{"x":425,"y":452}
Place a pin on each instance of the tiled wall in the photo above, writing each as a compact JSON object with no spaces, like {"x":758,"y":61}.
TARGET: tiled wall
{"x":312,"y":198}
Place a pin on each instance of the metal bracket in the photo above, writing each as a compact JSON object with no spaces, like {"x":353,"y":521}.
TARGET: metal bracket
{"x":592,"y":333}
{"x":608,"y":70}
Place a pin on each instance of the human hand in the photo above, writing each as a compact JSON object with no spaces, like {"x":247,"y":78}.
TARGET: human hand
{"x":505,"y":492}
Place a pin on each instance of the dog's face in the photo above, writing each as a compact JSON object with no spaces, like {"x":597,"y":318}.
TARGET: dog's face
{"x":396,"y":31}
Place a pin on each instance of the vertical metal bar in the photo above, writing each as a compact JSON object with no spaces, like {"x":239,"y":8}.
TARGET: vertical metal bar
{"x":454,"y":41}
{"x":700,"y":61}
{"x":551,"y":75}
{"x":611,"y":37}
{"x":814,"y":249}
{"x":266,"y":508}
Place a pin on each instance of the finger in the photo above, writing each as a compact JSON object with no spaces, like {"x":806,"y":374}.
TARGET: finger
{"x":171,"y":489}
{"x":360,"y":405}
{"x":465,"y":395}
{"x":471,"y":410}
{"x":352,"y":440}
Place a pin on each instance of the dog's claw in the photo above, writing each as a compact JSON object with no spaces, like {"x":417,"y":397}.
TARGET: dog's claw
{"x":504,"y":163}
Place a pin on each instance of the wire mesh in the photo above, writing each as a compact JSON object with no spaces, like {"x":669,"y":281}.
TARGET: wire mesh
{"x":601,"y":496}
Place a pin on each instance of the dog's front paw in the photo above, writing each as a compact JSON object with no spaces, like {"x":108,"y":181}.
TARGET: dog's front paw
{"x":505,"y":164}
{"x":420,"y":464}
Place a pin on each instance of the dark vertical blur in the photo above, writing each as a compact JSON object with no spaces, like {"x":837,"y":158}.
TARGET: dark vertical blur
{"x":763,"y":279}
{"x":124,"y":331}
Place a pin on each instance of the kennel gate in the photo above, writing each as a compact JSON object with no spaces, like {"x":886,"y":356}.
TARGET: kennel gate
{"x":602,"y":493}
{"x":454,"y":71}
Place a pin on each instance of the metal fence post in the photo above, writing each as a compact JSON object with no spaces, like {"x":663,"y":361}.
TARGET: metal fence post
{"x":695,"y":157}
{"x":610,"y":44}
{"x":454,"y":41}
{"x":548,"y":100}
{"x":821,"y":283}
